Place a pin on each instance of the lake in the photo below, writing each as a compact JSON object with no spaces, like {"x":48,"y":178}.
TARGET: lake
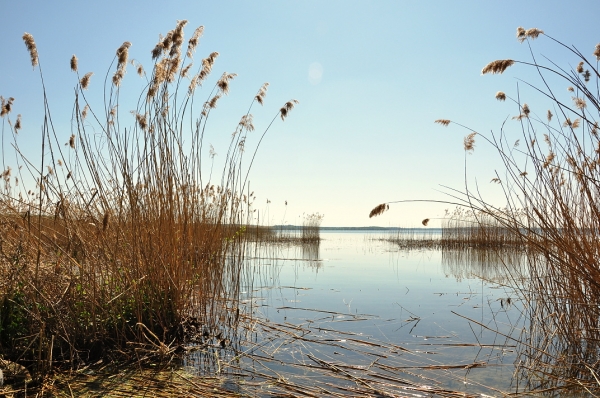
{"x":356,"y":314}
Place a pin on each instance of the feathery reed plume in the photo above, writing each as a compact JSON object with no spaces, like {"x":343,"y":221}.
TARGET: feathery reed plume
{"x":6,"y":106}
{"x":184,"y":71}
{"x":18,"y":123}
{"x":425,"y":222}
{"x":570,"y":89}
{"x":549,"y":159}
{"x":597,"y":51}
{"x":85,"y":111}
{"x":498,"y":66}
{"x":469,"y":142}
{"x":496,"y":180}
{"x":521,"y":34}
{"x":286,"y":108}
{"x":72,"y":141}
{"x":443,"y":122}
{"x":576,"y":123}
{"x":142,"y":122}
{"x":85,"y":80}
{"x":122,"y":55}
{"x":140,"y":70}
{"x":379,"y":209}
{"x":567,"y":122}
{"x":74,"y":63}
{"x":213,"y":101}
{"x":549,"y":115}
{"x":533,"y":33}
{"x":223,"y":82}
{"x":500,"y":96}
{"x":580,"y":67}
{"x":579,"y":102}
{"x":193,"y":42}
{"x":260,"y":97}
{"x":31,"y":47}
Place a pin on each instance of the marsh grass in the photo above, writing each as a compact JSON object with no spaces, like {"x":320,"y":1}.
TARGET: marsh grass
{"x":550,"y":183}
{"x":115,"y":246}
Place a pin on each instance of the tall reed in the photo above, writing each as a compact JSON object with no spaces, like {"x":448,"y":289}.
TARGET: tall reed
{"x":124,"y":242}
{"x":551,"y":187}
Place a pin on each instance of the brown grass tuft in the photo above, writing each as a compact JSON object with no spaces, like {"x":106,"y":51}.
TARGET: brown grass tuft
{"x":31,"y":47}
{"x":443,"y":122}
{"x":498,"y":66}
{"x":379,"y":209}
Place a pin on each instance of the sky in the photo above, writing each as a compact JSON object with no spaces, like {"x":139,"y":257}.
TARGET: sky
{"x":371,"y":77}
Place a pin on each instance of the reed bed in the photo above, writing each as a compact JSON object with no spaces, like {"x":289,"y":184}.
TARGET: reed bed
{"x":116,"y":246}
{"x":551,"y":186}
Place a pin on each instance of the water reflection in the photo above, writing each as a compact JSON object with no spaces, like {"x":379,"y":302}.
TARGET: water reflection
{"x":499,"y":266}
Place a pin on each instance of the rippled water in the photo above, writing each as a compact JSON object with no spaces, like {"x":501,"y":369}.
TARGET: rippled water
{"x":423,"y":316}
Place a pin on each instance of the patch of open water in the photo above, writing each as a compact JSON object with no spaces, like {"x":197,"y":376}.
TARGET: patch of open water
{"x":366,"y":310}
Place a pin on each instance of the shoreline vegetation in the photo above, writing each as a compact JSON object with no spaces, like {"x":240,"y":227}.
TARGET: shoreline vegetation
{"x":117,"y":250}
{"x":551,"y":186}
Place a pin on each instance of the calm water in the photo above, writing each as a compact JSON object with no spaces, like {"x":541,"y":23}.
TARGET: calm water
{"x":357,"y":301}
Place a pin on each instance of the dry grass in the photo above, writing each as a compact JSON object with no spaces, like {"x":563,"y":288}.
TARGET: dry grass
{"x":551,"y":186}
{"x":112,"y":244}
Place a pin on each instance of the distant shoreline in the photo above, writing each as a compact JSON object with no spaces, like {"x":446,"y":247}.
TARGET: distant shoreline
{"x":387,"y":229}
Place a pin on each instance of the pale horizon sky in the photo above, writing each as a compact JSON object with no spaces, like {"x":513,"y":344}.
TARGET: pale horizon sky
{"x":371,"y":79}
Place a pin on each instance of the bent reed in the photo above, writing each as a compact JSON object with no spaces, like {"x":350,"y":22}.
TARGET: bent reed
{"x":124,"y":243}
{"x":551,"y":184}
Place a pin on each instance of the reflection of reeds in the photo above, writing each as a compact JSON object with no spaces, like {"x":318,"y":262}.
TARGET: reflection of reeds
{"x":124,"y":249}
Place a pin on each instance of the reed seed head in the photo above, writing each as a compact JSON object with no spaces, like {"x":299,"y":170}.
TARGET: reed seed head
{"x":6,"y":106}
{"x":579,"y":102}
{"x":142,"y":121}
{"x":597,"y":51}
{"x":500,"y":96}
{"x":533,"y":33}
{"x":521,"y":34}
{"x":286,"y":108}
{"x":378,"y":210}
{"x":260,"y":97}
{"x":72,"y":141}
{"x":85,"y":111}
{"x":193,"y":42}
{"x":18,"y":123}
{"x":549,"y":115}
{"x":184,"y":71}
{"x":74,"y":63}
{"x":580,"y":67}
{"x":425,"y":222}
{"x":32,"y":48}
{"x":469,"y":142}
{"x":85,"y":80}
{"x":140,"y":70}
{"x":498,"y":66}
{"x":570,"y":89}
{"x":443,"y":122}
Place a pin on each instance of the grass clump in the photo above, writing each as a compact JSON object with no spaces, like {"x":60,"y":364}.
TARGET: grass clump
{"x":114,"y":244}
{"x":550,"y":183}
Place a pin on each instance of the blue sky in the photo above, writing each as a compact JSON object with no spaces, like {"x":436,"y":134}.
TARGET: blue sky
{"x":371,"y":78}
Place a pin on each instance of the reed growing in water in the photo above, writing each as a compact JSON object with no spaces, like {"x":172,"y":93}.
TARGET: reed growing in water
{"x":124,"y":249}
{"x":551,"y":183}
